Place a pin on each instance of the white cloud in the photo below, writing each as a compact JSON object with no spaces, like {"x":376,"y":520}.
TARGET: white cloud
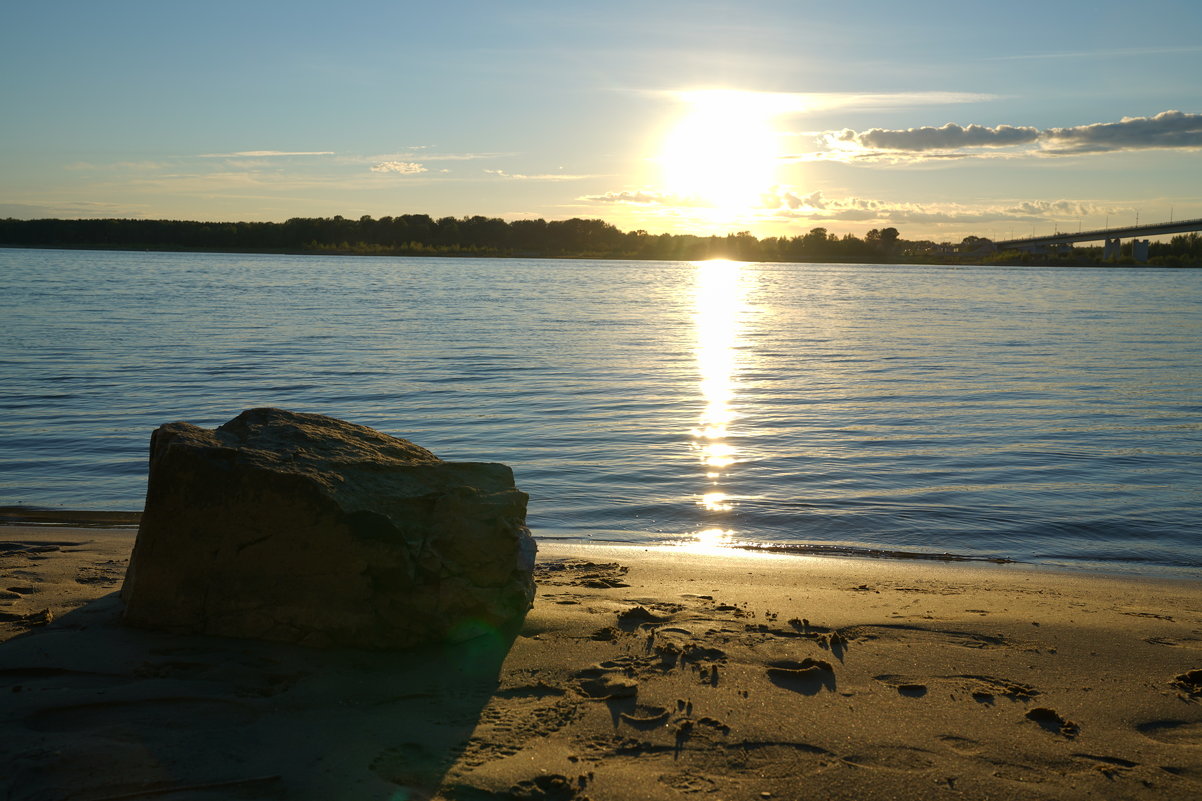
{"x":401,"y":167}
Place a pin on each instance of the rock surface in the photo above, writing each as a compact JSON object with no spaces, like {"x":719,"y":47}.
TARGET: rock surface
{"x":302,"y":528}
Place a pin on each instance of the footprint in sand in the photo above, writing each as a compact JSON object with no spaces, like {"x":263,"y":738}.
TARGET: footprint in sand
{"x":903,"y":685}
{"x":808,"y":677}
{"x":636,"y":617}
{"x":680,"y":647}
{"x":1174,"y":732}
{"x":689,"y":782}
{"x":576,"y":573}
{"x":1108,"y":766}
{"x":104,"y":576}
{"x":928,"y":636}
{"x":550,"y":787}
{"x":983,"y":689}
{"x":961,"y":745}
{"x":1190,"y":682}
{"x":28,"y":619}
{"x":606,"y":680}
{"x":1051,"y":721}
{"x":514,"y":718}
{"x":1194,"y":643}
{"x":772,"y":760}
{"x":644,"y":717}
{"x":606,"y":634}
{"x":892,"y":757}
{"x":986,"y":689}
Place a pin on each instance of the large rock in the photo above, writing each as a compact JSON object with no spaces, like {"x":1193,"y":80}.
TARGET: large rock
{"x":302,"y":528}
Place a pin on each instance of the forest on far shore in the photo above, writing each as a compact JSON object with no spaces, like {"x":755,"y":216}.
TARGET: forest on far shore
{"x":421,"y":235}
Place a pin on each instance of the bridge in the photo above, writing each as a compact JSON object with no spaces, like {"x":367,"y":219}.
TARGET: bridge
{"x":1111,"y":236}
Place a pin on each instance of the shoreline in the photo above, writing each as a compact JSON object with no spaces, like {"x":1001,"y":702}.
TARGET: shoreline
{"x":642,"y":672}
{"x":77,"y":518}
{"x":64,"y":518}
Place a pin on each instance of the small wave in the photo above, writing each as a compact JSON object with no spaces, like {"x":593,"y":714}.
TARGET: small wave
{"x":818,"y":549}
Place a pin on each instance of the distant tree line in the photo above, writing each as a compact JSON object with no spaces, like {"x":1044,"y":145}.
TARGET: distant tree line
{"x":422,"y":235}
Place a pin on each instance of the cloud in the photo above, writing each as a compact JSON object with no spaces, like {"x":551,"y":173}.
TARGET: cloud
{"x":790,"y":204}
{"x":401,"y":167}
{"x":1166,"y":130}
{"x":551,"y":176}
{"x":848,"y":100}
{"x":787,"y":203}
{"x":461,"y":156}
{"x":643,"y":197}
{"x":266,"y":154}
{"x":947,"y":137}
{"x":1068,"y":209}
{"x":789,"y":200}
{"x":72,"y":209}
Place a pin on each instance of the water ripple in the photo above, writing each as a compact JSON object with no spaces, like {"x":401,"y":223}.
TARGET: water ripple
{"x":1040,"y":415}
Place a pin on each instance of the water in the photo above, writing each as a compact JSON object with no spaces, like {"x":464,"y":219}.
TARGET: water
{"x":1049,"y":415}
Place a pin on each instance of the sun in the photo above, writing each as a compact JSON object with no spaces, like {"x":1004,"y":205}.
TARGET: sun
{"x":724,"y":152}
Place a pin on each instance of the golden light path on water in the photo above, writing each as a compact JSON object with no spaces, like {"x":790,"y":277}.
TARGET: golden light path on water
{"x":719,"y":307}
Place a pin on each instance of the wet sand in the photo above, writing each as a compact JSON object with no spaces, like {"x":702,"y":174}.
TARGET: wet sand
{"x":641,"y":673}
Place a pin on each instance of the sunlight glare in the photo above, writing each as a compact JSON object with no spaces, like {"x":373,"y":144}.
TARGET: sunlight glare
{"x":725,"y":150}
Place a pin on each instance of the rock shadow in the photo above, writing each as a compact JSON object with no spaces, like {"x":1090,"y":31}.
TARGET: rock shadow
{"x":96,"y":709}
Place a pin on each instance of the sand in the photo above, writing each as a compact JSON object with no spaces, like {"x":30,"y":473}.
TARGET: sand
{"x":641,"y":673}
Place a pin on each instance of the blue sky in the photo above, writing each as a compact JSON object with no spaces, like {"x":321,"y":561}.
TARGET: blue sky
{"x":669,"y":116}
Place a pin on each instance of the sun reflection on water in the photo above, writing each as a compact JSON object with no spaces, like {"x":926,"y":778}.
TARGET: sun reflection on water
{"x":715,"y":502}
{"x":719,"y":304}
{"x":709,"y":542}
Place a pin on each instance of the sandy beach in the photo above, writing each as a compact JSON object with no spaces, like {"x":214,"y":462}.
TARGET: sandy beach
{"x":640,"y":673}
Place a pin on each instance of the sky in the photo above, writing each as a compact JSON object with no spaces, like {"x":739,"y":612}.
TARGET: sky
{"x":941,"y":119}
